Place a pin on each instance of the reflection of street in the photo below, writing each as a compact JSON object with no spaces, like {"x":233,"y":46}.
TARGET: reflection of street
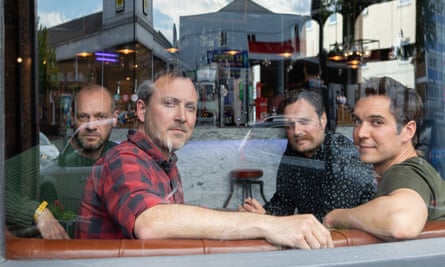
{"x":205,"y":175}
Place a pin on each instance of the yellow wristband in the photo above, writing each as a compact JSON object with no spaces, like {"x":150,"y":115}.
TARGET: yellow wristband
{"x":40,"y":209}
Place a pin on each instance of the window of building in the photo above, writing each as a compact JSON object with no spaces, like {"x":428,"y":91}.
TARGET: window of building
{"x":404,"y":2}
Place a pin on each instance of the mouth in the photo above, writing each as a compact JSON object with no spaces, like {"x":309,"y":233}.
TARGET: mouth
{"x":364,"y":147}
{"x":90,"y":136}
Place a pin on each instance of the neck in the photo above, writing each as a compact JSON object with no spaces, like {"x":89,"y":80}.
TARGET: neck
{"x":381,"y":167}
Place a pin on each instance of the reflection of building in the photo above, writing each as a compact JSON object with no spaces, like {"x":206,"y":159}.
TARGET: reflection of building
{"x":231,"y":43}
{"x":117,"y":48}
{"x":431,"y":74}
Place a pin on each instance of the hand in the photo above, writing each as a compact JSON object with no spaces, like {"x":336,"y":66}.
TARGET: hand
{"x":336,"y":219}
{"x":252,"y":205}
{"x":49,"y":227}
{"x":301,"y":231}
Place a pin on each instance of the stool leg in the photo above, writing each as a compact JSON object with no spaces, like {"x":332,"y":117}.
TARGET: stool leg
{"x":232,"y":188}
{"x":262,"y":191}
{"x":245,"y":193}
{"x":249,"y":186}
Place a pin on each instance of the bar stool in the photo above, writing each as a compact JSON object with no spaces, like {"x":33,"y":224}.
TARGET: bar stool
{"x":245,"y":178}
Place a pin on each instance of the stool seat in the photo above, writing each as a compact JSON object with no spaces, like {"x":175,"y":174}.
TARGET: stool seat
{"x":246,"y":173}
{"x":245,"y":178}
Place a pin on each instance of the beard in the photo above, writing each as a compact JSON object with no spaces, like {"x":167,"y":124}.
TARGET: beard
{"x":88,"y":147}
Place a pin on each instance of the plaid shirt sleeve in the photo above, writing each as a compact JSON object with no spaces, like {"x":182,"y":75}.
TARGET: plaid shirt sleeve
{"x":125,"y":183}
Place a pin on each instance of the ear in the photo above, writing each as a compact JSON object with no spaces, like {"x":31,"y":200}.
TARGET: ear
{"x":409,"y":131}
{"x":140,"y":110}
{"x":323,"y":120}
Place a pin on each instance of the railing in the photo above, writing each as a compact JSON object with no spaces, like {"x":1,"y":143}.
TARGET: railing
{"x":33,"y":248}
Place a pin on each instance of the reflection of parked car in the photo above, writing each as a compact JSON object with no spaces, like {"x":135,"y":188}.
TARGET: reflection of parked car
{"x":48,"y":151}
{"x":274,"y":121}
{"x":64,"y":180}
{"x":64,"y":184}
{"x":431,"y":144}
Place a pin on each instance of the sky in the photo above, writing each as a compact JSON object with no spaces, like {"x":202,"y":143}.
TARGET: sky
{"x":165,"y":12}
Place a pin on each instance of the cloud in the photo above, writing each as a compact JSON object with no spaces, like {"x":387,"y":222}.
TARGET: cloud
{"x":52,"y":13}
{"x":52,"y":18}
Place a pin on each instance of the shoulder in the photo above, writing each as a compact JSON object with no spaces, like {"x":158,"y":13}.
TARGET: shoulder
{"x":415,"y":173}
{"x":338,"y":142}
{"x":416,"y":165}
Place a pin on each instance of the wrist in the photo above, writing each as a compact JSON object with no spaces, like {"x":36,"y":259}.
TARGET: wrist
{"x":40,"y":209}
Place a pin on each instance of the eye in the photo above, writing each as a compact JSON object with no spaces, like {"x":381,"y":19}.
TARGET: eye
{"x":82,"y":117}
{"x":169,"y":103}
{"x":101,"y":117}
{"x":304,"y":121}
{"x":377,"y":122}
{"x":191,"y":107}
{"x":356,"y":122}
{"x":290,"y":125}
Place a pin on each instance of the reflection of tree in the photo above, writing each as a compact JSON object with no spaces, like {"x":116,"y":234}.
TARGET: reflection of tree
{"x":47,"y":62}
{"x":47,"y":66}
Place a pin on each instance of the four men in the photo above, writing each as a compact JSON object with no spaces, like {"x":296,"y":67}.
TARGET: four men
{"x":135,"y":190}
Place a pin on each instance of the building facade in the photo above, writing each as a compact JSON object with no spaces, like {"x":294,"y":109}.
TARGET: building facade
{"x":117,"y":48}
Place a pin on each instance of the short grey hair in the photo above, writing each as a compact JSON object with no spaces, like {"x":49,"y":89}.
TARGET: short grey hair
{"x":147,"y":88}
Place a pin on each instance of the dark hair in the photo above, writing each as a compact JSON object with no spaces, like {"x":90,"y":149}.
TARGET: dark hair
{"x":406,"y":104}
{"x":312,"y":97}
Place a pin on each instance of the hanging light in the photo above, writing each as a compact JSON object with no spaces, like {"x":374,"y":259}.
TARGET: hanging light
{"x":286,"y":51}
{"x":126,"y":50}
{"x":336,"y":54}
{"x":172,"y":50}
{"x":84,"y":54}
{"x":354,"y":57}
{"x":232,"y":52}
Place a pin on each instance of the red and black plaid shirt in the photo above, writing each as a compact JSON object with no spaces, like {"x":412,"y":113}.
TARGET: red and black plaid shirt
{"x":130,"y":178}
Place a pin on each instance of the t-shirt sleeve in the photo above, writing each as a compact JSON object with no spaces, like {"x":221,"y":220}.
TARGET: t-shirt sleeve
{"x":403,"y":177}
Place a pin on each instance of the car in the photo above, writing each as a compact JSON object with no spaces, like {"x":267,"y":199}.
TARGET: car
{"x":48,"y":151}
{"x":431,"y":143}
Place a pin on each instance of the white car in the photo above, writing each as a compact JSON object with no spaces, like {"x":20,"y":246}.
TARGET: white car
{"x":48,"y":151}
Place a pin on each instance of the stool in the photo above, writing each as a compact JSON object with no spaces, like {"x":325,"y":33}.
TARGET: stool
{"x":245,"y":178}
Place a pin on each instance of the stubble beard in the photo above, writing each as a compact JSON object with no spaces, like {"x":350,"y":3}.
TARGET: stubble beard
{"x":89,"y":147}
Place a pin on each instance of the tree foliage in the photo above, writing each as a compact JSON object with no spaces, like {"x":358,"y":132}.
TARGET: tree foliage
{"x":47,"y":62}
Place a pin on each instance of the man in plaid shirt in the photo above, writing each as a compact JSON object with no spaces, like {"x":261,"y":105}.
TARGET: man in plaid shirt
{"x":135,"y":190}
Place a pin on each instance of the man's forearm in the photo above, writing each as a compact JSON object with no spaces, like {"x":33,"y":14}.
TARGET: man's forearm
{"x":183,"y":221}
{"x":399,"y":216}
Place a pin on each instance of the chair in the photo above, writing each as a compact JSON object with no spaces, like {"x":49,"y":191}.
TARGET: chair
{"x":245,"y":178}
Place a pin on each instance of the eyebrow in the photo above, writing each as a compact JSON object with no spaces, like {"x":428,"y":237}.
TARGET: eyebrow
{"x":370,"y":117}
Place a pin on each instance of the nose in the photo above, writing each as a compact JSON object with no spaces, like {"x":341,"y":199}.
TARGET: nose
{"x":91,"y":124}
{"x":361,"y":131}
{"x":180,"y":114}
{"x":298,"y":131}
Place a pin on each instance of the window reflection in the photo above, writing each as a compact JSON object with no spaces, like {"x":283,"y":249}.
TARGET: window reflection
{"x":239,"y":56}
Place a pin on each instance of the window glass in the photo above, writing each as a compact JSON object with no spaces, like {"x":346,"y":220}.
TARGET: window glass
{"x":243,"y":58}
